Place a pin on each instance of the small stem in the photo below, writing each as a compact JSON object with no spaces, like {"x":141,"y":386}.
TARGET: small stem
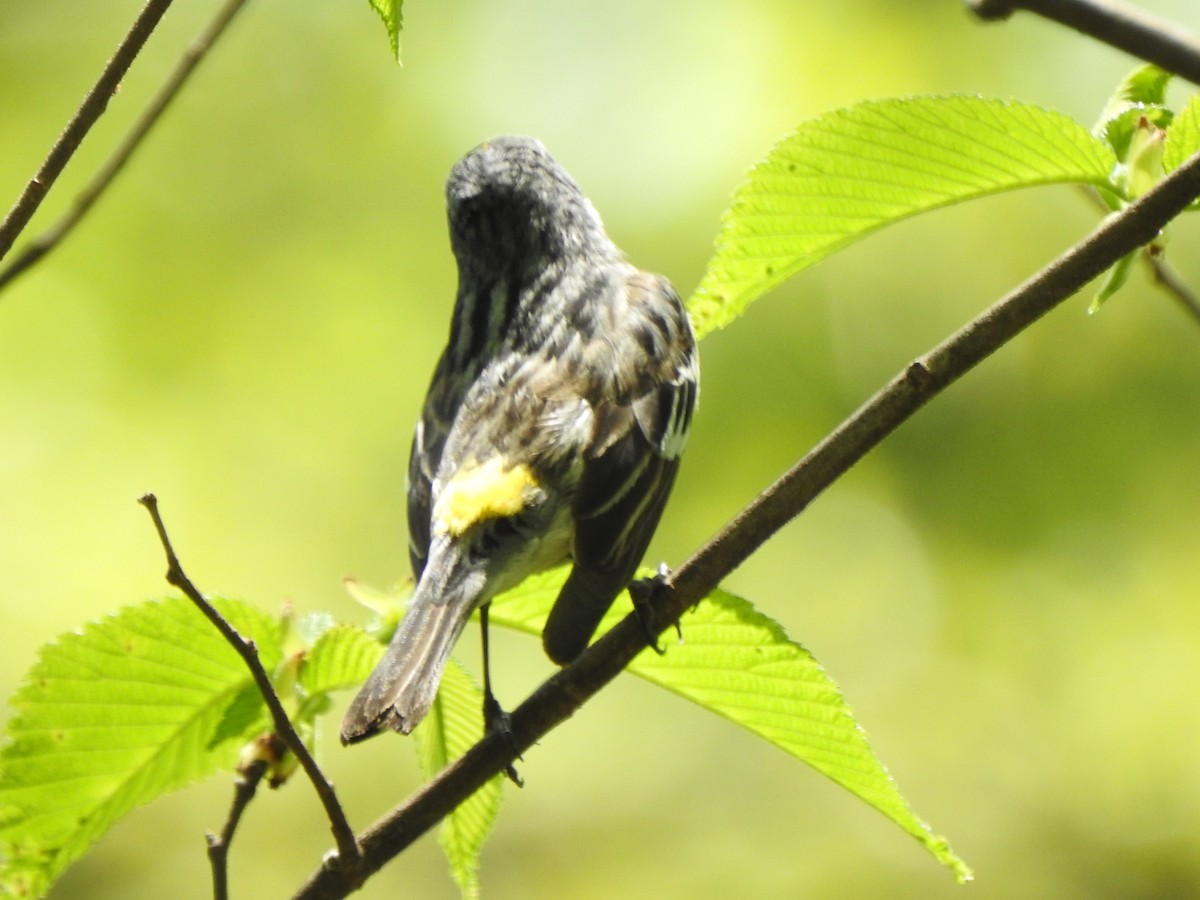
{"x":348,"y":853}
{"x":1118,"y":24}
{"x":85,"y":117}
{"x":244,"y":789}
{"x":36,"y":249}
{"x":1170,"y":281}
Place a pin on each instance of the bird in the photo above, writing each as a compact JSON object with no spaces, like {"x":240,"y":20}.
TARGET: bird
{"x":551,"y":432}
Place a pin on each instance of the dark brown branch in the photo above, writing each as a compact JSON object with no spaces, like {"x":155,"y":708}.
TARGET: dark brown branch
{"x":33,"y":252}
{"x":1161,"y":271}
{"x":565,"y":692}
{"x":1119,"y":24}
{"x":348,"y":856}
{"x":244,"y":789}
{"x":85,"y":117}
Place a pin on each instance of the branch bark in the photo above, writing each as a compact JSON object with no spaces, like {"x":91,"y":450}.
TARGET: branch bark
{"x":1116,"y":23}
{"x":85,"y":117}
{"x":244,"y":788}
{"x":347,"y":858}
{"x":33,"y":252}
{"x":564,"y":693}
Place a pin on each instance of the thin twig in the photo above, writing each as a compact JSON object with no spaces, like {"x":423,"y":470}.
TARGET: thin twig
{"x":1122,"y":25}
{"x":244,"y":788}
{"x":348,"y":856}
{"x":1163,"y":272}
{"x":85,"y":117}
{"x":565,"y":692}
{"x":1170,"y":281}
{"x":33,"y":252}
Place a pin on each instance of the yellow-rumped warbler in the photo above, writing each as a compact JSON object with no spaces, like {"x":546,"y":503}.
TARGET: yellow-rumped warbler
{"x":552,"y":429}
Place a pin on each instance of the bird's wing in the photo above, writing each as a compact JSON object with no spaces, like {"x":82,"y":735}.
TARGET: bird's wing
{"x":641,"y":421}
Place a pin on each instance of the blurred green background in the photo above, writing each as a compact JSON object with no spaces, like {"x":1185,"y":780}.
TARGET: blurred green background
{"x":1006,"y":591}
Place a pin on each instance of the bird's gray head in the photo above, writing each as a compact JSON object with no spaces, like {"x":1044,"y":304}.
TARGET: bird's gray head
{"x":509,"y":202}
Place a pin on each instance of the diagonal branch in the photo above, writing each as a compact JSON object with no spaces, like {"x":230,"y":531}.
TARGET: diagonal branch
{"x":564,"y":693}
{"x":347,"y":859}
{"x":33,"y":252}
{"x":85,"y":117}
{"x":1114,"y":22}
{"x":1164,"y":274}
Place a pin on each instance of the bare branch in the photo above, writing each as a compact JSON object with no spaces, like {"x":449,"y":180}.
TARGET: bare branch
{"x":1170,"y":281}
{"x":244,"y":789}
{"x":1119,"y":24}
{"x":85,"y":117}
{"x":347,"y":858}
{"x":564,"y":693}
{"x":33,"y":252}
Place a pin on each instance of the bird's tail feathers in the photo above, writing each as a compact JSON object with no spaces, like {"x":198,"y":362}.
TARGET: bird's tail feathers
{"x":403,"y":686}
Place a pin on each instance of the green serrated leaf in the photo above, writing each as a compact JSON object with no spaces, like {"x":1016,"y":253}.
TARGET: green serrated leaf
{"x":1183,"y":137}
{"x":1145,"y":84}
{"x":1143,"y":92}
{"x":1121,"y":130}
{"x":391,"y":12}
{"x":739,"y":664}
{"x":342,"y":657}
{"x":245,"y":714}
{"x":848,"y":173}
{"x":453,"y":726}
{"x":112,"y":717}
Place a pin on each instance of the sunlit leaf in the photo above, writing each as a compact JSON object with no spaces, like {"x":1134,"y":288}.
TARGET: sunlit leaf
{"x":738,"y":663}
{"x":1183,"y":137}
{"x":1140,"y":95}
{"x":392,"y":14}
{"x":341,"y":658}
{"x":848,"y":173}
{"x":1114,"y":280}
{"x":112,"y":717}
{"x":453,"y":726}
{"x":245,"y":714}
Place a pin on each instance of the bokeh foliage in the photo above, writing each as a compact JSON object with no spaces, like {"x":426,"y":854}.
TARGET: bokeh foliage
{"x":1005,"y":591}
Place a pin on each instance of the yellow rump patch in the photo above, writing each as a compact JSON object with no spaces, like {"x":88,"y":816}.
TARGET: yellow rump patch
{"x":479,"y":492}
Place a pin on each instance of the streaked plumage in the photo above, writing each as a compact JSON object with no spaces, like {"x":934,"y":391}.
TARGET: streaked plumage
{"x":553,"y":425}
